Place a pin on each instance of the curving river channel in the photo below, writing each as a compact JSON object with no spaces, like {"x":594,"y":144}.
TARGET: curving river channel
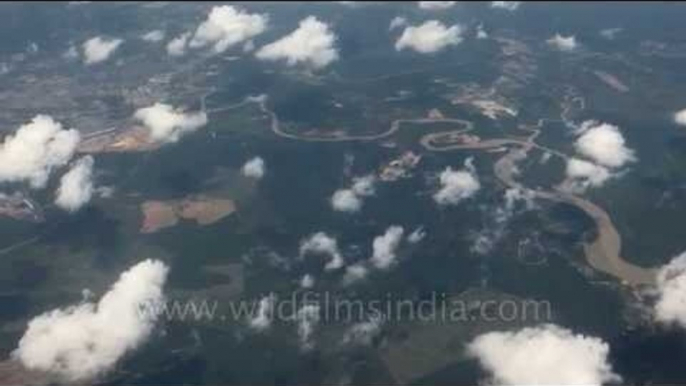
{"x":603,"y":253}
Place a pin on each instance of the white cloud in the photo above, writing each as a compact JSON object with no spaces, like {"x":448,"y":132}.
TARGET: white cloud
{"x":481,"y":33}
{"x":514,"y":195}
{"x":680,"y":117}
{"x":167,"y":124}
{"x":354,"y":273}
{"x":308,"y":319}
{"x":99,"y":49}
{"x":545,"y":355}
{"x":563,"y":43}
{"x":506,"y":5}
{"x":35,"y":150}
{"x":312,"y":44}
{"x":416,"y":236}
{"x":105,"y":191}
{"x":397,"y":21}
{"x":345,"y":200}
{"x":86,"y":340}
{"x":76,"y":186}
{"x":385,"y":246}
{"x":307,"y":281}
{"x":321,"y":243}
{"x":177,"y":46}
{"x":430,"y":37}
{"x":485,"y":240}
{"x":351,"y":200}
{"x":254,"y":168}
{"x":435,"y":5}
{"x":362,"y":333}
{"x":495,"y":227}
{"x":670,"y":307}
{"x":604,"y":144}
{"x":583,"y":174}
{"x":609,"y":33}
{"x":227,"y":26}
{"x":32,"y":48}
{"x":71,"y":53}
{"x":265,"y":313}
{"x":457,"y":185}
{"x":364,"y":186}
{"x":153,"y":36}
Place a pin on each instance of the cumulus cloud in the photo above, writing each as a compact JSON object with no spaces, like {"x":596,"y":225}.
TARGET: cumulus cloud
{"x":311,"y":44}
{"x":495,"y":228}
{"x":435,"y":5}
{"x":396,"y":22}
{"x":227,"y":26}
{"x":545,"y":355}
{"x":362,"y":333}
{"x":345,"y":200}
{"x":481,"y":33}
{"x":506,"y":5}
{"x":177,"y":46}
{"x":457,"y":185}
{"x":254,"y":168}
{"x":430,"y":37}
{"x":167,"y":124}
{"x":71,"y":53}
{"x":670,"y":307}
{"x":563,"y":43}
{"x":384,"y":254}
{"x":84,"y":341}
{"x":99,"y":49}
{"x":604,"y":144}
{"x":323,"y":244}
{"x":308,"y":319}
{"x":514,"y":196}
{"x":153,"y":36}
{"x":354,"y":273}
{"x":385,"y":247}
{"x":416,"y":236}
{"x":364,"y":186}
{"x":265,"y":313}
{"x":583,"y":174}
{"x":32,"y":48}
{"x":351,"y":200}
{"x":76,"y":186}
{"x":307,"y":281}
{"x":35,"y":150}
{"x":496,"y":221}
{"x":105,"y":191}
{"x":680,"y":117}
{"x":485,"y":240}
{"x":609,"y":33}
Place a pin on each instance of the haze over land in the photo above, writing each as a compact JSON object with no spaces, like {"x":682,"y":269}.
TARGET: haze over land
{"x":499,"y":187}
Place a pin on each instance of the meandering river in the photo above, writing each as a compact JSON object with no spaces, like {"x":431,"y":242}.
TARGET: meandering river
{"x":603,"y":253}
